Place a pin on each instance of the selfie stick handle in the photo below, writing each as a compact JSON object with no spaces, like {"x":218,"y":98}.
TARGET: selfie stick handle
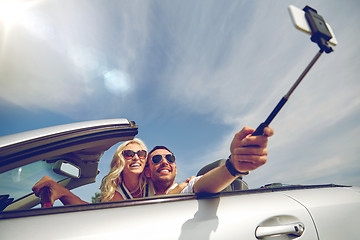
{"x":260,"y":129}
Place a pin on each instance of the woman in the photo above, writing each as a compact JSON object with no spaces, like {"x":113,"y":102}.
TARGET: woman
{"x":124,"y":181}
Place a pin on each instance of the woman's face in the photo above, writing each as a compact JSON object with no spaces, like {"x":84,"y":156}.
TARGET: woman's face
{"x":134,"y":164}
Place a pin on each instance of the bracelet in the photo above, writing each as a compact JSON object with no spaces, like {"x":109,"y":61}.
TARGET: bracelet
{"x":230,"y":167}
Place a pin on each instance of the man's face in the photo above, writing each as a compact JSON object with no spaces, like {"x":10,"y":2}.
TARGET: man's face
{"x":164,"y":171}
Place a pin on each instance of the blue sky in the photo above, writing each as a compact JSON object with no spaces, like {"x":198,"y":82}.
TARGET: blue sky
{"x":190,"y":74}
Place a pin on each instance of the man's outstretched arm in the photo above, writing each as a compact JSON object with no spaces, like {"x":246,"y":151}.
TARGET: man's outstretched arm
{"x":247,"y":154}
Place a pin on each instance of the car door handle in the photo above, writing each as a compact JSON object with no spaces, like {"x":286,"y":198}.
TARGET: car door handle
{"x":295,"y":229}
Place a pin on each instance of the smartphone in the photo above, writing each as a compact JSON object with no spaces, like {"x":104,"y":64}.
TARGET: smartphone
{"x":300,"y":22}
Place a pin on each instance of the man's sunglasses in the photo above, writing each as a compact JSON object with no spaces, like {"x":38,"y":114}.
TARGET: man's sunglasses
{"x":156,"y":159}
{"x":129,"y":154}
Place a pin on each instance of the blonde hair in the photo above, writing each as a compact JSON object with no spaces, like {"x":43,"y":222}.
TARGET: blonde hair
{"x":114,"y":178}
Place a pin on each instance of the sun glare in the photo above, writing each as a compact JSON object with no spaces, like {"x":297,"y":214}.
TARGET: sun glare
{"x":13,"y":11}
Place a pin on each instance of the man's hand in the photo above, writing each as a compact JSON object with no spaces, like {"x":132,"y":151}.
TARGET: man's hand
{"x":249,"y":152}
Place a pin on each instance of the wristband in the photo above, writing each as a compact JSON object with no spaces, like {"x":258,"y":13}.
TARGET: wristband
{"x":230,"y":167}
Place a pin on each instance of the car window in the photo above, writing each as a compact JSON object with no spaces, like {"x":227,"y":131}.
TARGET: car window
{"x":19,"y":181}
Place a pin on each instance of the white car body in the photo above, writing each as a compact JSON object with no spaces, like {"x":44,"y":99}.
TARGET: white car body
{"x":326,"y":212}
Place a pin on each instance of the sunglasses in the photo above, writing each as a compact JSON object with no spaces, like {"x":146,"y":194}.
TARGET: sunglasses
{"x":129,"y":154}
{"x":156,"y":159}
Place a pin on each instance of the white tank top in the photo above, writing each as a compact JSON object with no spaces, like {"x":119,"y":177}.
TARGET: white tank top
{"x":125,"y":193}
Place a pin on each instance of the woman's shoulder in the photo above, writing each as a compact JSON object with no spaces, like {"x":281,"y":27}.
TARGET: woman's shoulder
{"x":117,"y":197}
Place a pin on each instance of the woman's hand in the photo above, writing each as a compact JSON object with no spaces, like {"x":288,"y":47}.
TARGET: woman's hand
{"x":57,"y":192}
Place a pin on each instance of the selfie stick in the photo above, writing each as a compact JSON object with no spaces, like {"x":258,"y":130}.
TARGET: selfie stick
{"x":320,"y":35}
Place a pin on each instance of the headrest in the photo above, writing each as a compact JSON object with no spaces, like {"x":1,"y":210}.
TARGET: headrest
{"x":237,"y":184}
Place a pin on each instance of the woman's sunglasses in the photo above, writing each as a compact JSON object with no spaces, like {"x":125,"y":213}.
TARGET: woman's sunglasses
{"x":156,"y":159}
{"x":129,"y":154}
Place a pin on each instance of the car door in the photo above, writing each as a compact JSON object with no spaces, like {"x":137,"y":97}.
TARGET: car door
{"x":249,"y":215}
{"x":240,"y":215}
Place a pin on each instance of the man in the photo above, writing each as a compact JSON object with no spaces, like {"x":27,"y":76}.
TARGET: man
{"x":247,"y":154}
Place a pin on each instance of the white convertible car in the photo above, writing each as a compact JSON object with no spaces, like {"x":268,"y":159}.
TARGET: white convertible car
{"x":71,"y":153}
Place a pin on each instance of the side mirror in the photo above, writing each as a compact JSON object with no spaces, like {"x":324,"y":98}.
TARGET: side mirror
{"x":68,"y":169}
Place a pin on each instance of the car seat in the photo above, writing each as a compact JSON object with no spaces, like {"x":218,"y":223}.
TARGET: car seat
{"x":237,"y":184}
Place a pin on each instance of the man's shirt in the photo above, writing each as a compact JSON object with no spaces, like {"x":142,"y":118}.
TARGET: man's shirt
{"x":188,"y":189}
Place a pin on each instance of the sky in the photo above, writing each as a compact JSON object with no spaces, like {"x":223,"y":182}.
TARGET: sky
{"x":190,"y":74}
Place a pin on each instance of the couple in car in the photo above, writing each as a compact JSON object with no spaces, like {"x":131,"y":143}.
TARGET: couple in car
{"x":135,"y":173}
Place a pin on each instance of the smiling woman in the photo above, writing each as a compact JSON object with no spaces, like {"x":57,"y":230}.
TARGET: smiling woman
{"x":125,"y":179}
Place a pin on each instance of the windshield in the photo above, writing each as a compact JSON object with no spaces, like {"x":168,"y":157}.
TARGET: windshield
{"x":19,"y":181}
